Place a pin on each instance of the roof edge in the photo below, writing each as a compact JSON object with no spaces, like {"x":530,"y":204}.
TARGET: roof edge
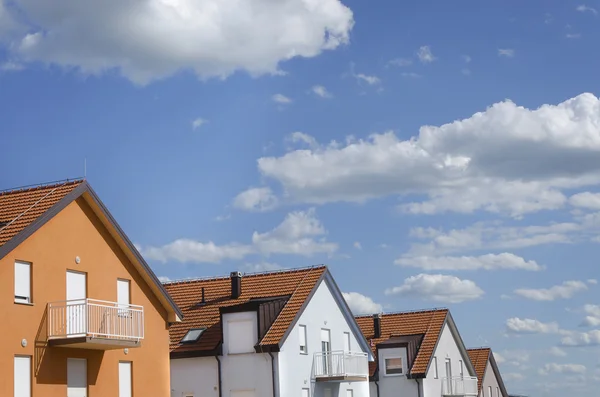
{"x":461,"y":344}
{"x":496,"y":370}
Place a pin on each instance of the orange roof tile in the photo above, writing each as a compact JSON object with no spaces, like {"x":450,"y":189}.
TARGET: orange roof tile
{"x":428,"y":323}
{"x":479,"y":358}
{"x":296,"y":283}
{"x":21,"y":207}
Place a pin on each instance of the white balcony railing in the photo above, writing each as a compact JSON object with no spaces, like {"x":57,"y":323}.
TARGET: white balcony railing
{"x":96,"y":319}
{"x":340,"y":364}
{"x":459,"y":386}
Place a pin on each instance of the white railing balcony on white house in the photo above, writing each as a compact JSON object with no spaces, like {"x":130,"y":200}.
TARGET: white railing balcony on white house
{"x":340,"y":366}
{"x":459,"y":386}
{"x":94,"y":324}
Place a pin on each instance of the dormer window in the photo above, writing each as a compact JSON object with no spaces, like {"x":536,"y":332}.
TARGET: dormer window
{"x":193,"y":335}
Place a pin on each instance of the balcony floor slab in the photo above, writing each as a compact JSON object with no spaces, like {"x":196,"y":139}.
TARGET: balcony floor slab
{"x":94,"y":343}
{"x":342,"y":378}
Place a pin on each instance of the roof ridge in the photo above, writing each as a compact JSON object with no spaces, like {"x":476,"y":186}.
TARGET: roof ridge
{"x":479,"y":348}
{"x":435,"y":309}
{"x":253,"y":274}
{"x":43,"y":185}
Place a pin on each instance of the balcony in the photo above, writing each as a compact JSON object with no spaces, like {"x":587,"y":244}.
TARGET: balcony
{"x":462,"y":386}
{"x":94,"y":324}
{"x":340,"y":366}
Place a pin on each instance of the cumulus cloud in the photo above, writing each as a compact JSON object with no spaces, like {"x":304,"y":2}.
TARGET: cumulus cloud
{"x":501,"y":160}
{"x":256,"y":199}
{"x":361,"y":304}
{"x":281,"y":99}
{"x":592,"y":318}
{"x":148,"y":40}
{"x":586,"y":200}
{"x":199,"y":122}
{"x":483,"y":262}
{"x":562,"y":369}
{"x":370,"y":80}
{"x":506,"y":52}
{"x":425,"y":55}
{"x":518,"y":325}
{"x":564,"y":291}
{"x":557,"y":351}
{"x":300,"y":233}
{"x":437,"y":288}
{"x":585,"y":8}
{"x":321,"y":91}
{"x":261,"y":267}
{"x":163,"y":279}
{"x":590,"y":338}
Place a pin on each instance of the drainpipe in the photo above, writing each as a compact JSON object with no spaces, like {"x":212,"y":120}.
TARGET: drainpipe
{"x":377,"y":387}
{"x":219,"y":372}
{"x":418,"y":387}
{"x":273,"y":373}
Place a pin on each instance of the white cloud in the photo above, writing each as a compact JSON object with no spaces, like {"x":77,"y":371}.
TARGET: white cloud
{"x":411,"y":75}
{"x":562,"y":369}
{"x":301,"y":137}
{"x":530,"y":326}
{"x":513,"y":376}
{"x":163,"y":279}
{"x":557,"y":351}
{"x":256,"y":199}
{"x":592,"y":318}
{"x":586,"y":200}
{"x":153,"y":39}
{"x":198,"y":123}
{"x":321,"y":91}
{"x":296,"y":235}
{"x":401,"y":62}
{"x":501,"y":160}
{"x":370,"y":80}
{"x":438,"y":288}
{"x":425,"y":55}
{"x":466,"y":58}
{"x":261,"y":267}
{"x":573,"y":35}
{"x":584,"y":8}
{"x":10,"y":66}
{"x":499,"y":358}
{"x":357,"y":245}
{"x":564,"y":291}
{"x":361,"y":304}
{"x":281,"y":99}
{"x":592,"y":281}
{"x":590,"y":338}
{"x":484,"y":262}
{"x":506,"y":52}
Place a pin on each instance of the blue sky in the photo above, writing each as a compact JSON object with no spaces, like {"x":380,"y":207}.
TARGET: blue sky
{"x":431,"y":153}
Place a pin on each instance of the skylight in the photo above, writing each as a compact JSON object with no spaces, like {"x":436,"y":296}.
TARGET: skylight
{"x":193,"y":335}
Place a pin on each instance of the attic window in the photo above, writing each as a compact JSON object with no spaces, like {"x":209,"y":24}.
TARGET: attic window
{"x":193,"y":335}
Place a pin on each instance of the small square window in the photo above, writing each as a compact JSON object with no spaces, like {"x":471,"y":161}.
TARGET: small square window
{"x":193,"y":335}
{"x":393,"y":366}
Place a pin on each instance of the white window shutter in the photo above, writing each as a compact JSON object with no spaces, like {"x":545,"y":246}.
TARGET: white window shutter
{"x":22,"y":378}
{"x":22,"y":282}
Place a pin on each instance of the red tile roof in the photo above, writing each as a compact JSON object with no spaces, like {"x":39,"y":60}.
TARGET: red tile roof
{"x":428,"y":323}
{"x":21,"y":207}
{"x":296,"y":283}
{"x":479,"y":358}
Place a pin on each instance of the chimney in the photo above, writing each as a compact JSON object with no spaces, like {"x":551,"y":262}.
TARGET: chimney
{"x":203,"y":302}
{"x":377,"y":325}
{"x":236,"y":284}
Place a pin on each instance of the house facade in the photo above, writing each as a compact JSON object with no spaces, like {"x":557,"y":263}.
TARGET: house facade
{"x":490,"y":383}
{"x":284,"y":333}
{"x":418,"y":354}
{"x":83,"y":313}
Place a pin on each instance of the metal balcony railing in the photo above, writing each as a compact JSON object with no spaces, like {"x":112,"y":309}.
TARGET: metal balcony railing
{"x":459,"y":386}
{"x":96,"y":319}
{"x":340,"y":364}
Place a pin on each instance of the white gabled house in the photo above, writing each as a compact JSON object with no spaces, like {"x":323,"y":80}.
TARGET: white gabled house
{"x":273,"y":334}
{"x":418,"y":354}
{"x":490,"y":383}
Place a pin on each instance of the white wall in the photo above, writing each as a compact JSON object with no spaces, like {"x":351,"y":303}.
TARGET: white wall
{"x":198,"y":376}
{"x":447,"y":348}
{"x":295,"y":368}
{"x":393,"y":385}
{"x":490,"y":380}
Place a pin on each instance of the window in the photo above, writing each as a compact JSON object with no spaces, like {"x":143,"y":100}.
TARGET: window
{"x":240,"y":337}
{"x":460,"y":362}
{"x":193,"y":335}
{"x":22,"y":377}
{"x":305,"y":393}
{"x":302,"y":335}
{"x":22,"y":282}
{"x":125,"y":379}
{"x":393,"y":366}
{"x":123,"y":297}
{"x":349,"y":393}
{"x":435,"y":368}
{"x":347,"y":341}
{"x":497,"y":392}
{"x":490,"y":391}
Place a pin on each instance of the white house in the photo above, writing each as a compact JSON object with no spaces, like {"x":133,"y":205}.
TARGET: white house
{"x":490,"y":383}
{"x":418,"y":354}
{"x":274,"y":334}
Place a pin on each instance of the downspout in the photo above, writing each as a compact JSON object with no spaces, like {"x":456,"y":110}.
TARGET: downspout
{"x":418,"y":387}
{"x":219,"y":375}
{"x":273,"y":372}
{"x":377,"y":387}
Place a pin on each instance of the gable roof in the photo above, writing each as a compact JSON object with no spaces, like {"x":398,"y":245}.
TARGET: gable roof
{"x":295,"y":287}
{"x":24,"y":210}
{"x":480,"y":357}
{"x":426,"y":323}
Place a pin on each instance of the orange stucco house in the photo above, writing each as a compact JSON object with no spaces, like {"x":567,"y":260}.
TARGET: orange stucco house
{"x":82,"y":314}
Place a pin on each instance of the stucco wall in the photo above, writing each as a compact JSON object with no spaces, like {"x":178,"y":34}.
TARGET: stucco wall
{"x":76,"y":231}
{"x":197,"y":376}
{"x":295,"y":368}
{"x":390,"y":385}
{"x":447,"y":348}
{"x":490,"y":380}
